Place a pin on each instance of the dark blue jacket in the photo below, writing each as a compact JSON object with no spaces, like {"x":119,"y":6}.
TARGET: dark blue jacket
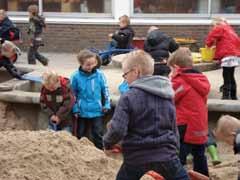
{"x":159,"y":45}
{"x":5,"y":26}
{"x":124,"y":37}
{"x":145,"y":122}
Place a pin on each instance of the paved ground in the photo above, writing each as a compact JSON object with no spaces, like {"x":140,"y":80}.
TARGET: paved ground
{"x":66,"y":64}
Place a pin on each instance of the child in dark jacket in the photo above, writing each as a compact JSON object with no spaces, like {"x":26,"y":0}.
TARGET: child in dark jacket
{"x":144,"y":121}
{"x":123,"y":38}
{"x":35,"y":29}
{"x":191,"y":91}
{"x":8,"y":56}
{"x":90,"y":88}
{"x":5,"y":25}
{"x":57,"y":101}
{"x":159,"y":45}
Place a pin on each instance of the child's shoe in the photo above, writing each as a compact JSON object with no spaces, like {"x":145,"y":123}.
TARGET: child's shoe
{"x":212,"y":150}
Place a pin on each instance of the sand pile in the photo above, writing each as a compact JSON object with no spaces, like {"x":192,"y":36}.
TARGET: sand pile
{"x":10,"y":121}
{"x":41,"y":155}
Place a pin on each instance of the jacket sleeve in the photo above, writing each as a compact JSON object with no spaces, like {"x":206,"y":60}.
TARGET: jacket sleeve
{"x":44,"y":106}
{"x":11,"y":68}
{"x":67,"y":105}
{"x":174,"y":127}
{"x":173,"y":46}
{"x":105,"y":92}
{"x":214,"y":36}
{"x":118,"y":124}
{"x":7,"y":24}
{"x":180,"y":89}
{"x":75,"y":108}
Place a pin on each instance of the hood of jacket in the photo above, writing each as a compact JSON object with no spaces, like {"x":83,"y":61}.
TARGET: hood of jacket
{"x":156,"y":85}
{"x":196,"y":80}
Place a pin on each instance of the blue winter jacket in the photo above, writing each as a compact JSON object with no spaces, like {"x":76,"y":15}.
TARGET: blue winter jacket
{"x":92,"y":94}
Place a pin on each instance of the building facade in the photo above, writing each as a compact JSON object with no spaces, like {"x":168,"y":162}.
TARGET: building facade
{"x":77,"y":24}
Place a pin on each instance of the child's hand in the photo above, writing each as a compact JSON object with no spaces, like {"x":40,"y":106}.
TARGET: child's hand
{"x":110,"y":35}
{"x":104,"y":110}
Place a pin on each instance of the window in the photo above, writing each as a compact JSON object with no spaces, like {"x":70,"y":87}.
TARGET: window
{"x":226,"y":6}
{"x":16,"y":5}
{"x":171,"y":6}
{"x":77,"y":6}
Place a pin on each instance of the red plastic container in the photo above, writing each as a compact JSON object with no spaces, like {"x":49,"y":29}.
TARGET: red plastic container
{"x":138,"y":42}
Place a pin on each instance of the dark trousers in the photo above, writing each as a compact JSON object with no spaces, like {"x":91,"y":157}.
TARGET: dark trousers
{"x":10,"y":68}
{"x":92,"y":128}
{"x":161,"y":69}
{"x":229,"y":83}
{"x":199,"y":158}
{"x":33,"y":54}
{"x":170,"y":170}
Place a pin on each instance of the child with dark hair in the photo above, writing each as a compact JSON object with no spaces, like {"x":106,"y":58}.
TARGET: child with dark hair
{"x":35,"y":29}
{"x":92,"y":96}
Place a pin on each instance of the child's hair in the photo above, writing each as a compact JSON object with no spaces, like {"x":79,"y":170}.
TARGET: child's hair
{"x":8,"y":48}
{"x":152,"y":28}
{"x":140,"y":59}
{"x":50,"y":77}
{"x":125,"y":19}
{"x":85,"y":54}
{"x":227,"y":125}
{"x":33,"y":9}
{"x":182,"y":57}
{"x":3,"y":13}
{"x":218,"y":21}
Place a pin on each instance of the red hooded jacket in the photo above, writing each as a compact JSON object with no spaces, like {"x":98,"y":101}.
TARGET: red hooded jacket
{"x":191,"y":91}
{"x":226,"y":40}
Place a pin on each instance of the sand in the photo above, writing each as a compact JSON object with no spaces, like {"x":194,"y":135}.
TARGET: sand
{"x":10,"y":121}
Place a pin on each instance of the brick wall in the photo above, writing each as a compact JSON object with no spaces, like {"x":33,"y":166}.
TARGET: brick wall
{"x":71,"y":38}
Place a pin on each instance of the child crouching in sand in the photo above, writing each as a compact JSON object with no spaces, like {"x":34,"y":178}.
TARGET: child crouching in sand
{"x":57,"y":101}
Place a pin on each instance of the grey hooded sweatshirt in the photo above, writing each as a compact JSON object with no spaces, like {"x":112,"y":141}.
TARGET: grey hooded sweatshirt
{"x":144,"y":120}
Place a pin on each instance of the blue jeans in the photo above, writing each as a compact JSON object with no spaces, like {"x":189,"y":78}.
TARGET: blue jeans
{"x":92,"y":127}
{"x":55,"y":127}
{"x":199,"y":158}
{"x":170,"y":170}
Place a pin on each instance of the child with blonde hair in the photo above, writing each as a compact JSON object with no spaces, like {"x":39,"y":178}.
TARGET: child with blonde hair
{"x":123,"y":37}
{"x":9,"y":53}
{"x":92,"y":96}
{"x":57,"y":101}
{"x":145,"y":123}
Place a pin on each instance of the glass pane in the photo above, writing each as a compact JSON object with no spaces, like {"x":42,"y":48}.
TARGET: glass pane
{"x":226,"y":6}
{"x":171,"y":6}
{"x":82,"y":6}
{"x":16,"y":5}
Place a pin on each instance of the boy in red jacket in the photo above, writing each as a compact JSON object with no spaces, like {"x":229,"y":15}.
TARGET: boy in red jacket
{"x":191,"y":90}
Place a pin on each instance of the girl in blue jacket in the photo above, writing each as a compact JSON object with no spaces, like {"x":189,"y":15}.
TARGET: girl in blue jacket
{"x":92,"y":96}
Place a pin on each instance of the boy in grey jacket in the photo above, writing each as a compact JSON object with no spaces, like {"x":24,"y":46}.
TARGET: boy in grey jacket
{"x":145,"y":122}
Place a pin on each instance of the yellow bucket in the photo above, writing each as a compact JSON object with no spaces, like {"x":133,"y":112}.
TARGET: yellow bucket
{"x":207,"y":54}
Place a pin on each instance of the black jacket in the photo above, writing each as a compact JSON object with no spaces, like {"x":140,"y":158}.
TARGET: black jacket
{"x":36,"y":25}
{"x":159,"y":45}
{"x":5,"y":26}
{"x":124,"y":37}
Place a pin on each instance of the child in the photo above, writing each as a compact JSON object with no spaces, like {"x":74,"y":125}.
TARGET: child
{"x":90,"y":87}
{"x":6,"y":25}
{"x":57,"y":101}
{"x":159,"y":45}
{"x":191,"y":91}
{"x":8,"y":55}
{"x":122,"y":39}
{"x":228,"y":130}
{"x":35,"y":29}
{"x":144,"y":121}
{"x":227,"y":52}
